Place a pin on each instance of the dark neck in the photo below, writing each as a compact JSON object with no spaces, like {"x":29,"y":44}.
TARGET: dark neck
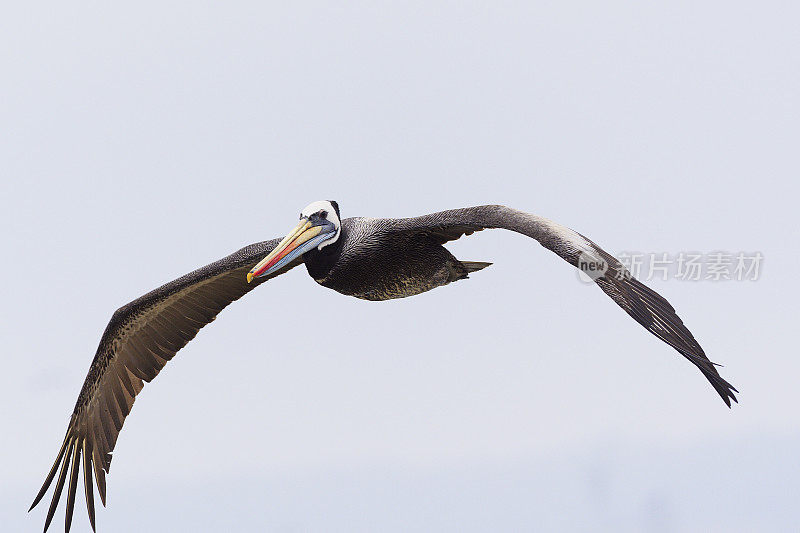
{"x":320,"y":262}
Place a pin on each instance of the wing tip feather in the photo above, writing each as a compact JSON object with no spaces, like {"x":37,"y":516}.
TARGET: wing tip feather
{"x":62,"y":476}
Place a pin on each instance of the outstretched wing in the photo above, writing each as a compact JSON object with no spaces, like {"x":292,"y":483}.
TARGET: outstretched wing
{"x":646,"y":306}
{"x":138,"y":341}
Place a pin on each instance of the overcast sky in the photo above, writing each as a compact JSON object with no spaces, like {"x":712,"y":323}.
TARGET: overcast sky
{"x":137,"y":145}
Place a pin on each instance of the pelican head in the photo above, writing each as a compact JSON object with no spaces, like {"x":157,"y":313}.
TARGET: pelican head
{"x":319,"y":226}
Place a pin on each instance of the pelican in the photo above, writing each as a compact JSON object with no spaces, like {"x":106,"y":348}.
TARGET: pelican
{"x":369,"y":258}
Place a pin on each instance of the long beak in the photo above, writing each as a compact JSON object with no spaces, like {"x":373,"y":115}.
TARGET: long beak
{"x":289,"y":248}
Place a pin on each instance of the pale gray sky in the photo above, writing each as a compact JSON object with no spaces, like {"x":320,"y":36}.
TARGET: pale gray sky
{"x":138,"y":144}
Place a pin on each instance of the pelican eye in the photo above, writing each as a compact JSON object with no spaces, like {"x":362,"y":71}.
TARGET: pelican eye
{"x":323,"y":214}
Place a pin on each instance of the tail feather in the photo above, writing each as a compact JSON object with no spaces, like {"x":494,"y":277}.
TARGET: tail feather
{"x":474,"y":266}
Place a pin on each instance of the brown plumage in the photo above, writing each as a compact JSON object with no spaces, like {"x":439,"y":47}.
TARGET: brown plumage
{"x":138,"y":341}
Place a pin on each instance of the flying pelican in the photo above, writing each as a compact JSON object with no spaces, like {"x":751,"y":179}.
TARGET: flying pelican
{"x":369,"y":258}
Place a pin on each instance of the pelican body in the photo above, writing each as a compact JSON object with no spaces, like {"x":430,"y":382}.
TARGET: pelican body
{"x":369,"y":258}
{"x":373,"y":264}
